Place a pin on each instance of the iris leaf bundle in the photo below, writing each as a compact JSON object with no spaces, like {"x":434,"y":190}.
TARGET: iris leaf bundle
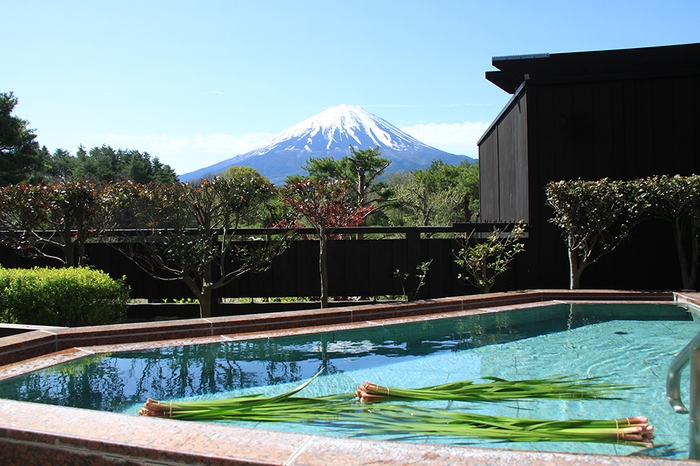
{"x":379,"y":410}
{"x":495,"y":389}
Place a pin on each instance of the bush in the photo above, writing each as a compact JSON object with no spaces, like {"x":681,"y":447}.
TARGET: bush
{"x":487,"y":259}
{"x":66,"y":297}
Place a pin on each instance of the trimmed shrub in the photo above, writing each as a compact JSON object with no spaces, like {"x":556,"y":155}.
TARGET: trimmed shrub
{"x":65,"y":297}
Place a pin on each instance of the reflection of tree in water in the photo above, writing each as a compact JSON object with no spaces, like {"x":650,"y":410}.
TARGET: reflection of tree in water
{"x":116,"y":381}
{"x":109,"y":382}
{"x":185,"y":371}
{"x":94,"y":385}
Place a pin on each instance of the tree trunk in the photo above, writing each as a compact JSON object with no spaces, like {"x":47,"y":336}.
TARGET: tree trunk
{"x":687,"y":264}
{"x":323,"y":268}
{"x":203,"y":295}
{"x":361,"y":193}
{"x":574,"y":270}
{"x":69,"y":252}
{"x":205,"y":301}
{"x":694,"y":260}
{"x":680,"y":251}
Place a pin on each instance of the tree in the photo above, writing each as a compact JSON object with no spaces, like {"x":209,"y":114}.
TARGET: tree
{"x":237,"y":172}
{"x":61,"y":165}
{"x":41,"y":220}
{"x":189,"y":232}
{"x":107,"y":164}
{"x":595,"y":218}
{"x":266,"y":213}
{"x":361,"y":169}
{"x":324,"y":204}
{"x":485,"y":260}
{"x":418,"y":203}
{"x":440,"y":195}
{"x":465,"y":177}
{"x":676,"y":200}
{"x":367,"y":166}
{"x":21,"y":159}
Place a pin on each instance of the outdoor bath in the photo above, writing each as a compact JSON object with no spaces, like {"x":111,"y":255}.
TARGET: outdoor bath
{"x":32,"y":431}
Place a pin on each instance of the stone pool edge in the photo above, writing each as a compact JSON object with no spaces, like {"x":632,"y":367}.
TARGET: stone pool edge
{"x":30,"y":433}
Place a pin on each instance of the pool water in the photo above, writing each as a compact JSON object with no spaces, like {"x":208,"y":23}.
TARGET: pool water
{"x":632,"y":344}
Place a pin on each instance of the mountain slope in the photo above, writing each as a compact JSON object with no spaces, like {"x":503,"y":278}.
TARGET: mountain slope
{"x":329,"y":134}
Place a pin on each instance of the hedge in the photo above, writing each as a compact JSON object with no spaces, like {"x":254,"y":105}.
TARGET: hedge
{"x":62,"y":297}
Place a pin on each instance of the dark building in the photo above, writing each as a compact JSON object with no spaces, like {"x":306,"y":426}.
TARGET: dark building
{"x":621,"y":114}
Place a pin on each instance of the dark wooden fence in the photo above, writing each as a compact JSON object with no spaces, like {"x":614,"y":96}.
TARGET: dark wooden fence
{"x":364,"y":268}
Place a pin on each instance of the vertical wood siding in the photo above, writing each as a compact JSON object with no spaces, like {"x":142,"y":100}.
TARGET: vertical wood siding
{"x":618,"y":128}
{"x":503,"y":166}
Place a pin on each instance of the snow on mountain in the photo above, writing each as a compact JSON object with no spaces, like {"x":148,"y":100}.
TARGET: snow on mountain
{"x":329,"y":134}
{"x":336,"y":129}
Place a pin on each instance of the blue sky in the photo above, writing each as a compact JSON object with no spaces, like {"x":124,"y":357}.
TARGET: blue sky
{"x":197,"y":82}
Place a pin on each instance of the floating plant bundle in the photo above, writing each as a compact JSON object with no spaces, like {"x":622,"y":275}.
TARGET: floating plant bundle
{"x":392,"y":419}
{"x":495,"y":389}
{"x":248,"y":407}
{"x":401,"y":418}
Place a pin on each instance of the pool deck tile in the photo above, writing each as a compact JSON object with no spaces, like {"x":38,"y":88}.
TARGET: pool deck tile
{"x":37,"y":434}
{"x":343,"y":452}
{"x":128,"y":333}
{"x":26,"y":345}
{"x":29,"y":426}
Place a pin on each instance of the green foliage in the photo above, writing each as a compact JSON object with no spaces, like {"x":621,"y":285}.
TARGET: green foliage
{"x":676,"y":200}
{"x":21,"y":159}
{"x":485,"y":260}
{"x":237,"y":172}
{"x":189,"y":232}
{"x":107,"y":164}
{"x":65,"y":297}
{"x":325,"y":167}
{"x":392,"y":413}
{"x":360,"y":170}
{"x":268,"y":212}
{"x":595,"y":217}
{"x":421,"y":274}
{"x":440,"y":195}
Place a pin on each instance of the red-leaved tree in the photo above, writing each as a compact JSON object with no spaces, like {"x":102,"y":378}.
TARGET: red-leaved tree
{"x":55,"y":221}
{"x":324,"y":204}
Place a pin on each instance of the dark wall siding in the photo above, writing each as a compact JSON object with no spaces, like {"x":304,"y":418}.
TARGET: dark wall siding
{"x":562,"y":145}
{"x":507,"y":153}
{"x":512,"y":161}
{"x":686,"y":102}
{"x":489,"y":185}
{"x":619,"y":128}
{"x":605,"y":145}
{"x":503,"y":166}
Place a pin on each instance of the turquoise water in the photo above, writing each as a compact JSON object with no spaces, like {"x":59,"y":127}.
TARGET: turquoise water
{"x":626,"y":344}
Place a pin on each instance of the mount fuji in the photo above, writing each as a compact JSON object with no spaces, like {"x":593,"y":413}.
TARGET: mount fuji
{"x":329,"y":134}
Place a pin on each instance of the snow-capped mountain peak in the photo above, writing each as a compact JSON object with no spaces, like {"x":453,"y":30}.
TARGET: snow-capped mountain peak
{"x":337,"y":128}
{"x":330,"y":134}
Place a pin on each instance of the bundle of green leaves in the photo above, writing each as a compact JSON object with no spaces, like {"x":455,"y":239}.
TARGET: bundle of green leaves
{"x":379,"y":410}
